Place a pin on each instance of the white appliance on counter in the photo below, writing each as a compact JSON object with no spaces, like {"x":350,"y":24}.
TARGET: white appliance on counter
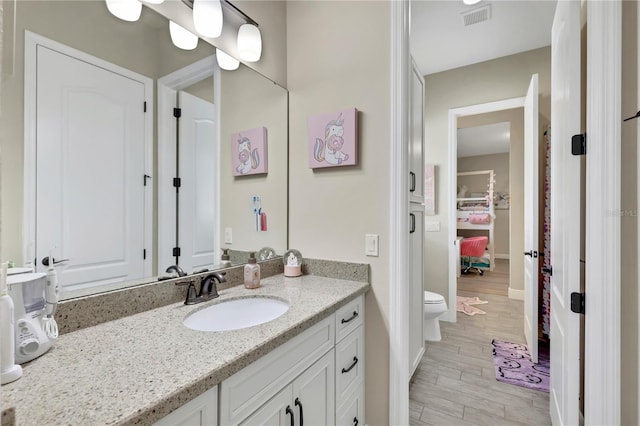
{"x":30,"y":313}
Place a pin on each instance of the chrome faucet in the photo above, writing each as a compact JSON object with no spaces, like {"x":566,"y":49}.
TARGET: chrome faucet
{"x":177,"y":269}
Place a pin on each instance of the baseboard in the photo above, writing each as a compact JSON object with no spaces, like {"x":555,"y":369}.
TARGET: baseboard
{"x":516,"y":294}
{"x":502,"y":256}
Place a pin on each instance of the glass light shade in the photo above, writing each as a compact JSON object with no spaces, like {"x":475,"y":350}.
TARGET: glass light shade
{"x":226,"y":62}
{"x":127,"y":10}
{"x":207,"y":17}
{"x":471,"y":2}
{"x":154,"y":1}
{"x":249,"y":43}
{"x":182,"y":38}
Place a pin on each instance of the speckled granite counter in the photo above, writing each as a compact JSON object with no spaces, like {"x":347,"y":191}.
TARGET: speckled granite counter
{"x":137,"y":369}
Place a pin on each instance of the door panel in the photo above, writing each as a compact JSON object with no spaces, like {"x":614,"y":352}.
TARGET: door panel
{"x":531,"y":218}
{"x":197,"y":212}
{"x":565,"y":213}
{"x":90,"y":163}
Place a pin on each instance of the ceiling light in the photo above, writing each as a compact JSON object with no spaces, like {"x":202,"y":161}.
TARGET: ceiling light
{"x":249,"y":43}
{"x":154,"y":1}
{"x":182,"y":38}
{"x":127,"y":10}
{"x":207,"y":17}
{"x":471,"y":2}
{"x":226,"y":62}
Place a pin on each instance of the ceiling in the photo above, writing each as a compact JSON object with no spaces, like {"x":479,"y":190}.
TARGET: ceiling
{"x":484,"y":140}
{"x":440,"y":41}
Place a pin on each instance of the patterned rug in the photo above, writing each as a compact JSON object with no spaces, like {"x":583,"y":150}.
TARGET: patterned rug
{"x":464,"y":305}
{"x":513,"y":365}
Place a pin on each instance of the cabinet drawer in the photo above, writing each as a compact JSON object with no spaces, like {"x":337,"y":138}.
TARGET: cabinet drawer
{"x":352,"y":411}
{"x":349,"y":317}
{"x":255,"y":384}
{"x":349,"y":364}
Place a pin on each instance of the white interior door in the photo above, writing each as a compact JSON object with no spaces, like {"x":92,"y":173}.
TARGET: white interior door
{"x":90,"y":164}
{"x":565,"y":213}
{"x":531,"y":218}
{"x":197,"y":171}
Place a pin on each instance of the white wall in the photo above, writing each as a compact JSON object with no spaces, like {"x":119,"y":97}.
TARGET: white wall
{"x":338,"y":57}
{"x":494,"y":80}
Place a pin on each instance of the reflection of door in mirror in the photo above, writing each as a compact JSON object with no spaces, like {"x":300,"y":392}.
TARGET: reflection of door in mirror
{"x":90,"y":144}
{"x":197,"y":148}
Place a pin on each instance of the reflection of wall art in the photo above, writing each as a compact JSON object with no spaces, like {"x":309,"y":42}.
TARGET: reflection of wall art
{"x":249,"y":152}
{"x":333,"y":139}
{"x":429,"y":190}
{"x":501,"y":200}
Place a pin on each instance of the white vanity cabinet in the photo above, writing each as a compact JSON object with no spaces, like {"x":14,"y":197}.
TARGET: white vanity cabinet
{"x":200,"y":411}
{"x":310,"y":379}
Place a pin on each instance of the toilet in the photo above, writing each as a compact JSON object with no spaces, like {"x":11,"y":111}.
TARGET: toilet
{"x":434,"y":306}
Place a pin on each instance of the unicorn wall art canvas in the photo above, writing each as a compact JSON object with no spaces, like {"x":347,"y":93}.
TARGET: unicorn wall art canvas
{"x":333,"y":139}
{"x":249,"y":152}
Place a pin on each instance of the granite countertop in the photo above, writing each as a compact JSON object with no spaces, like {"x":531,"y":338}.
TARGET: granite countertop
{"x":137,"y":369}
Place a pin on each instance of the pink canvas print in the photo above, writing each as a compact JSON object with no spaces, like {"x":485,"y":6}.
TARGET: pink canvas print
{"x":249,"y":152}
{"x":333,"y":139}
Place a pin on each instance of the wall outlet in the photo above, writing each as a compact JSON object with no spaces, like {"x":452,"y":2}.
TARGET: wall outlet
{"x":433,"y":226}
{"x":228,"y":236}
{"x":371,"y":245}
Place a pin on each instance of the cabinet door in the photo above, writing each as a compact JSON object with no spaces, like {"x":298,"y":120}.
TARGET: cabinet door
{"x":314,"y":393}
{"x":278,"y":411}
{"x":416,"y":277}
{"x":352,"y":412}
{"x":200,"y":411}
{"x":416,"y":137}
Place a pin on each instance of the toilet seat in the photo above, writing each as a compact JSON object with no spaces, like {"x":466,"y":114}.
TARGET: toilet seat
{"x":432,"y":298}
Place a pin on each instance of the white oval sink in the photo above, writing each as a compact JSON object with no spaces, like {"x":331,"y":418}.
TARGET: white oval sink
{"x":236,"y":314}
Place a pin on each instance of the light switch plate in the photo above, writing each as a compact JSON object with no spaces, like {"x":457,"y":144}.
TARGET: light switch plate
{"x":433,"y":226}
{"x":228,"y":236}
{"x":371,"y":245}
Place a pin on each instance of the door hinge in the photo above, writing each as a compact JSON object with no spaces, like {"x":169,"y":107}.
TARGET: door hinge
{"x":177,"y":112}
{"x":176,"y":251}
{"x":579,"y":144}
{"x":144,"y":254}
{"x":577,"y":303}
{"x":145,"y":106}
{"x":177,"y":182}
{"x":547,"y":270}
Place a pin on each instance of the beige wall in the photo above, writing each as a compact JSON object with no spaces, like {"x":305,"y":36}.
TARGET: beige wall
{"x":338,"y":57}
{"x":144,"y":47}
{"x":499,"y":163}
{"x":494,"y":80}
{"x":249,"y":100}
{"x":629,"y":223}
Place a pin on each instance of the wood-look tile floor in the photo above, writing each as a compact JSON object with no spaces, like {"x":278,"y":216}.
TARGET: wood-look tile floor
{"x":492,"y":282}
{"x":455,"y":382}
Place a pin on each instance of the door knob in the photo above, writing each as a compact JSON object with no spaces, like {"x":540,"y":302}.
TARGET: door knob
{"x":547,"y":270}
{"x":45,"y":261}
{"x":528,"y":253}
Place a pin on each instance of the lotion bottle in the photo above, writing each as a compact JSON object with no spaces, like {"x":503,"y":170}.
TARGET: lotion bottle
{"x":9,"y":370}
{"x":252,"y":272}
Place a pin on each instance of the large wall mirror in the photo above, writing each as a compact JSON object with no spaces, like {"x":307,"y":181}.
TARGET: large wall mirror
{"x":91,"y":147}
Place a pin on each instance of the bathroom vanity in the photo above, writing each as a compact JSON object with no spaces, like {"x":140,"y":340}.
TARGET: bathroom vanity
{"x":149,"y":368}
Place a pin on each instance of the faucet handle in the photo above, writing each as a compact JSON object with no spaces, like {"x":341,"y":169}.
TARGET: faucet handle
{"x":191,"y":298}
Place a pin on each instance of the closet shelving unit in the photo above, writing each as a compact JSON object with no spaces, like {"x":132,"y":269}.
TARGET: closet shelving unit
{"x":484,"y":205}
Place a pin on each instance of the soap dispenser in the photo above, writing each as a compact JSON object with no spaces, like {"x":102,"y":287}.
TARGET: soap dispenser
{"x":252,"y":272}
{"x":224,"y":260}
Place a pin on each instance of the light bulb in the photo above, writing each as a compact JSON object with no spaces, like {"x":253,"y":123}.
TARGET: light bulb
{"x":249,"y":43}
{"x":207,"y":17}
{"x":226,"y":62}
{"x":127,"y":10}
{"x":182,"y":38}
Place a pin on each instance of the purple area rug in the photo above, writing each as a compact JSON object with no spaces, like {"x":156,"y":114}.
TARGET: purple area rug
{"x":513,"y":365}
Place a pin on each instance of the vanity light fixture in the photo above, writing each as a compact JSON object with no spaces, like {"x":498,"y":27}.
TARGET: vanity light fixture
{"x":471,"y":2}
{"x":249,"y":42}
{"x":225,"y":61}
{"x":127,"y":10}
{"x":154,"y":1}
{"x":181,"y":37}
{"x":207,"y":17}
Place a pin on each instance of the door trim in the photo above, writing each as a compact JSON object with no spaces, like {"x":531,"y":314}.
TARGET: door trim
{"x":454,"y":114}
{"x":399,"y":216}
{"x":168,"y":87}
{"x":31,"y":41}
{"x":602,"y":319}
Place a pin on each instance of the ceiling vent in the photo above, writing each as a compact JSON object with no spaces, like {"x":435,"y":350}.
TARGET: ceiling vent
{"x":476,"y":16}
